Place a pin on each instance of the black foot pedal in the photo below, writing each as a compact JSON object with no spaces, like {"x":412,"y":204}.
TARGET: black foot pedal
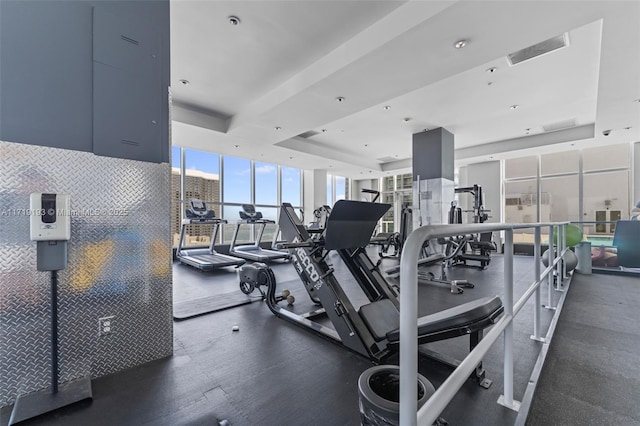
{"x":485,"y":383}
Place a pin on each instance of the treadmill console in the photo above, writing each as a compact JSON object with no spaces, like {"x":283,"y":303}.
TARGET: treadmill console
{"x":249,"y":213}
{"x":198,"y":210}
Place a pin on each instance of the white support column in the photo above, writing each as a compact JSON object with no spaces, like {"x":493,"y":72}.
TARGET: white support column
{"x":315,"y":191}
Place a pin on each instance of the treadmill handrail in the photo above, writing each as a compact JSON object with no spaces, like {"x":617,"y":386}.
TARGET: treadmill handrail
{"x":242,"y":221}
{"x":213,"y":221}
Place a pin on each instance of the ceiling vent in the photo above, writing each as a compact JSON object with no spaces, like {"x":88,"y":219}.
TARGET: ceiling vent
{"x":386,"y":159}
{"x":308,"y":134}
{"x":560,"y":125}
{"x":538,"y":49}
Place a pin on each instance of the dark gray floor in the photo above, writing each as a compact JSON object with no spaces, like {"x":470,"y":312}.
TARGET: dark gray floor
{"x":592,"y":371}
{"x":274,"y":373}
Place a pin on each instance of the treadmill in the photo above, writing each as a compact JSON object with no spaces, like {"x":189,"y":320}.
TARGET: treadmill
{"x":205,"y":259}
{"x":253,"y":252}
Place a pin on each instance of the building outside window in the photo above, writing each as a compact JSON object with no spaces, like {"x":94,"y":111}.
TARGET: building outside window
{"x":337,"y":189}
{"x":243,"y":182}
{"x":202,"y":181}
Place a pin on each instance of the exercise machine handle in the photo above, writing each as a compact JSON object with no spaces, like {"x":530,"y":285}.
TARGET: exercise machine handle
{"x":294,"y":245}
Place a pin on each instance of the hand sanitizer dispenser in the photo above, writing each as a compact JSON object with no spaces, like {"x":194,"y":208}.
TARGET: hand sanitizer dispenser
{"x":50,"y":217}
{"x":50,"y":226}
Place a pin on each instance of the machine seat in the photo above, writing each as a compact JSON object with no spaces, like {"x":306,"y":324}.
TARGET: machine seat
{"x":380,"y":317}
{"x":477,"y":257}
{"x":484,"y":243}
{"x":383,"y":319}
{"x":459,"y":320}
{"x":382,"y":238}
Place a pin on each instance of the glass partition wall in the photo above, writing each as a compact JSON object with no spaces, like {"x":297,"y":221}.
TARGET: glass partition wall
{"x":225,"y":183}
{"x":590,"y":187}
{"x":398,"y":191}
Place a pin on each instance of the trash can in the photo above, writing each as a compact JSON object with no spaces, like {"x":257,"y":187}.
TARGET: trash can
{"x":583,"y":253}
{"x":379,"y":395}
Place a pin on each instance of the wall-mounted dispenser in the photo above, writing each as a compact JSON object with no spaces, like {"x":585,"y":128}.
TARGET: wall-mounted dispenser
{"x":50,"y":226}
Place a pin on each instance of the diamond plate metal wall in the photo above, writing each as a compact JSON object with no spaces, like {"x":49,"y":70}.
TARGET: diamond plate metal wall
{"x":119,"y":264}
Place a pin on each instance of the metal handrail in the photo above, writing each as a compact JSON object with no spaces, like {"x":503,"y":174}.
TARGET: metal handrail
{"x":409,"y":414}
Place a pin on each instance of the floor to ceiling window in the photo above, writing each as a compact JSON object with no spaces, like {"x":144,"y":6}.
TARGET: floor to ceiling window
{"x":337,"y":189}
{"x":236,"y":183}
{"x":176,"y":199}
{"x":589,"y":187}
{"x":266,"y":194}
{"x":225,"y":183}
{"x":201,"y":180}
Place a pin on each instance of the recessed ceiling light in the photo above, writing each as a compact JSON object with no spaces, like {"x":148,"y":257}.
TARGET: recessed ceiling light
{"x":340,"y":99}
{"x":406,"y":119}
{"x":386,"y":107}
{"x":236,"y":146}
{"x":278,"y":128}
{"x":637,"y":101}
{"x":490,"y":83}
{"x":234,"y":20}
{"x":290,"y":158}
{"x":492,"y":69}
{"x":185,"y":82}
{"x":514,"y":107}
{"x":366,"y":144}
{"x":460,"y":44}
{"x":324,"y":130}
{"x":628,"y":128}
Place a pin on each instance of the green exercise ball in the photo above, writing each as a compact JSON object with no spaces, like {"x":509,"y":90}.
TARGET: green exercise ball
{"x":574,"y":235}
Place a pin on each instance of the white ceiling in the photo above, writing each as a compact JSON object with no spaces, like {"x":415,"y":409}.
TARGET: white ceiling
{"x":288,"y":61}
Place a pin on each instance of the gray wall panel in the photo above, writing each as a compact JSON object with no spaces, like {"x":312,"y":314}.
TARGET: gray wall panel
{"x":636,"y":174}
{"x":45,"y":73}
{"x":46,"y":70}
{"x":119,"y":264}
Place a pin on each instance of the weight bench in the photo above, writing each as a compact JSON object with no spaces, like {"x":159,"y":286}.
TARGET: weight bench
{"x":371,"y":330}
{"x":384,"y":240}
{"x":471,"y":318}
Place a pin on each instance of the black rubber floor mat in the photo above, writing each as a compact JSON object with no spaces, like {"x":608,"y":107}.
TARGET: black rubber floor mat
{"x":206,"y":305}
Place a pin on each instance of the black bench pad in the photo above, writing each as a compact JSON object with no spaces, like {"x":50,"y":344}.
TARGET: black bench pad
{"x":426,"y":261}
{"x":382,"y":237}
{"x":456,"y":318}
{"x":380,"y":317}
{"x":383,"y":318}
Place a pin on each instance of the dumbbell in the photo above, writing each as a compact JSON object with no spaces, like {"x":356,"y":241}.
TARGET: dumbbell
{"x":286,"y":295}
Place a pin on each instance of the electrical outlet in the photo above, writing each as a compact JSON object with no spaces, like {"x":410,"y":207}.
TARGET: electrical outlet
{"x":105,"y":325}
